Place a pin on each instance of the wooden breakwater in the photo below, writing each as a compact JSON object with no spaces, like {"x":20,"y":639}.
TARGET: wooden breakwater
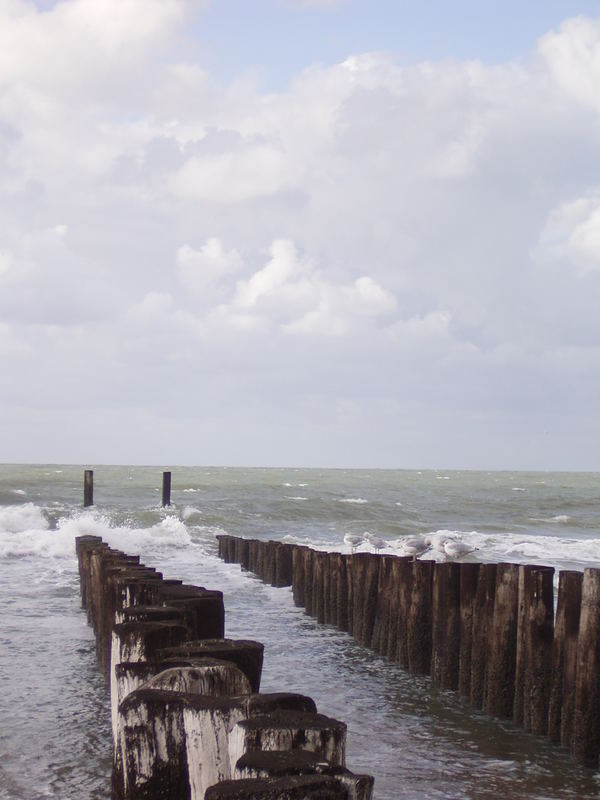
{"x":188,"y":719}
{"x":487,"y":631}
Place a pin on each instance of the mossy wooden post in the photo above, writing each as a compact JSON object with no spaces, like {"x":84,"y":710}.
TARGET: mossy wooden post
{"x":88,"y":488}
{"x":469,"y":574}
{"x":166,"y":489}
{"x":535,"y":633}
{"x":586,"y":735}
{"x":445,"y":639}
{"x":502,"y":649}
{"x":564,"y":658}
{"x":483,"y":614}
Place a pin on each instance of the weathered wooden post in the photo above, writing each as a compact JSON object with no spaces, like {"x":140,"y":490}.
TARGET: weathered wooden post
{"x":564,"y":658}
{"x":483,"y":614}
{"x":418,"y":625}
{"x":398,"y":642}
{"x":502,"y":643}
{"x":469,"y":574}
{"x":586,"y":736}
{"x":166,"y":489}
{"x":88,"y":488}
{"x":535,"y":633}
{"x":445,"y":640}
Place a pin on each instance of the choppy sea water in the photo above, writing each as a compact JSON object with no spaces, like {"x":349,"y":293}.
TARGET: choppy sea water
{"x":419,"y":743}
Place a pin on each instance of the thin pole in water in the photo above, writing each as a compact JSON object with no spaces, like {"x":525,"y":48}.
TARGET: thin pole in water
{"x":166,"y":489}
{"x":88,"y":488}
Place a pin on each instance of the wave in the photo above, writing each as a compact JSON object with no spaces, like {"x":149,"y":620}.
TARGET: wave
{"x":298,"y":497}
{"x":357,"y":500}
{"x":26,"y":531}
{"x":16,"y":519}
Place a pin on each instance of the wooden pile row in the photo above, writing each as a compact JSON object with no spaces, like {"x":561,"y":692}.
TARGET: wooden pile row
{"x":188,"y":720}
{"x":487,"y":631}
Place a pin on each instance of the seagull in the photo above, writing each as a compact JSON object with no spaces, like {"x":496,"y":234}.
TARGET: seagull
{"x":414,"y":546}
{"x":376,"y":541}
{"x":353,"y":540}
{"x":454,"y":549}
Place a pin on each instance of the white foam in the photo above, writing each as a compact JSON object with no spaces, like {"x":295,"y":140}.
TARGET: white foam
{"x":357,"y":500}
{"x":16,"y":519}
{"x":298,"y":497}
{"x":18,"y":491}
{"x":24,"y":531}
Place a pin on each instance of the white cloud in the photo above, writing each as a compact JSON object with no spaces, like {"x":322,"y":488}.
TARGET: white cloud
{"x":233,"y":177}
{"x":202,"y":272}
{"x":366,"y":232}
{"x":573,"y":57}
{"x":572,"y":234}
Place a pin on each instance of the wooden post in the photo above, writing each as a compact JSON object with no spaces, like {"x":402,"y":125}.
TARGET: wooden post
{"x":418,"y":624}
{"x":564,"y":658}
{"x":166,"y":489}
{"x":483,"y":613}
{"x":445,"y":612}
{"x":586,"y":733}
{"x":502,"y":643}
{"x":88,"y":488}
{"x":469,"y":574}
{"x":535,"y":633}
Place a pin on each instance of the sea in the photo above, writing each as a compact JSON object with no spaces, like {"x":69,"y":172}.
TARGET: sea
{"x":416,"y":741}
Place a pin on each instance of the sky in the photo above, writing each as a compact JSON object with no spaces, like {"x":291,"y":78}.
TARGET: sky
{"x":300,"y":233}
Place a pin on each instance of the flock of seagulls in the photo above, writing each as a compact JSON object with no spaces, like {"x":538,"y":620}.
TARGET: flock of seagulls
{"x":447,"y":546}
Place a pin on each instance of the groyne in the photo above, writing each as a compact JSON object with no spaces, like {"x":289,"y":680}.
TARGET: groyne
{"x":188,"y":719}
{"x":486,"y":631}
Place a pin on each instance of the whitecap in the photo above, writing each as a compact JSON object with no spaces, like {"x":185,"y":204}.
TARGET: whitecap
{"x":288,"y":497}
{"x":518,"y":489}
{"x":561,"y":518}
{"x":356,"y":500}
{"x":16,"y":519}
{"x":18,"y":491}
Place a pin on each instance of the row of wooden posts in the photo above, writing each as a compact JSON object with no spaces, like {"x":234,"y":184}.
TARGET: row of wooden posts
{"x":188,"y":719}
{"x":487,"y":631}
{"x":88,"y":488}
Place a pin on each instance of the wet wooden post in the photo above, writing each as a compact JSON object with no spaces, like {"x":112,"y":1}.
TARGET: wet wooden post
{"x":535,"y":633}
{"x":166,"y":489}
{"x":88,"y":488}
{"x":418,"y":625}
{"x":483,"y":614}
{"x":469,"y":574}
{"x":398,"y":643}
{"x":564,"y":658}
{"x":502,"y":643}
{"x":445,"y":640}
{"x":586,"y":735}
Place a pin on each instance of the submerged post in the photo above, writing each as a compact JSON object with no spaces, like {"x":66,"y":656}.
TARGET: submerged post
{"x":88,"y":488}
{"x":166,"y":489}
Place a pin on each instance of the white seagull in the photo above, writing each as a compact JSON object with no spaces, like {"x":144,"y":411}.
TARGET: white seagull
{"x":353,"y":540}
{"x":375,"y":541}
{"x":454,"y":549}
{"x":414,"y":546}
